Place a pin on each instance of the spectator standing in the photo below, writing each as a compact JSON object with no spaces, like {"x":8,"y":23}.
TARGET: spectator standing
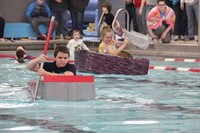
{"x":140,"y":17}
{"x":149,"y":5}
{"x":168,"y":3}
{"x":77,"y":9}
{"x":39,"y":13}
{"x":130,"y":7}
{"x":2,"y":25}
{"x":160,"y":22}
{"x":180,"y":28}
{"x":59,"y":10}
{"x":192,"y":10}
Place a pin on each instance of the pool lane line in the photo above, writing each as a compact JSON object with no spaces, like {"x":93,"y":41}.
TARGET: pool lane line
{"x":176,"y":59}
{"x":175,"y":68}
{"x":13,"y":56}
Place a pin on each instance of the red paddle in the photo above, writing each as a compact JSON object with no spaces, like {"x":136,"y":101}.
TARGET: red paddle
{"x":44,"y":52}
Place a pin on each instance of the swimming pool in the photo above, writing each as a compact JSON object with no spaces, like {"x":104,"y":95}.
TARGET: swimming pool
{"x":162,"y":101}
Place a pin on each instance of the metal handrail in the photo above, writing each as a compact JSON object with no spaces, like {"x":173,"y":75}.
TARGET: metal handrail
{"x":116,"y":15}
{"x":100,"y":21}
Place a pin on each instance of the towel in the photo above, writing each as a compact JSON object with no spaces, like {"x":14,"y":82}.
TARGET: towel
{"x":154,"y":20}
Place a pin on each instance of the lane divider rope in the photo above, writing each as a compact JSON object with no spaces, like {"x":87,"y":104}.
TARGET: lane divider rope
{"x":176,"y":59}
{"x":150,"y":67}
{"x":175,"y":68}
{"x":13,"y":56}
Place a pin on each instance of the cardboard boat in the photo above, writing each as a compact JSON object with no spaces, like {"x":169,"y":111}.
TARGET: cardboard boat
{"x":65,"y":88}
{"x":88,"y":61}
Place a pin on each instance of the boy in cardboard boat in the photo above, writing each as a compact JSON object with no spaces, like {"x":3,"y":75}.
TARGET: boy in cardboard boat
{"x":58,"y":67}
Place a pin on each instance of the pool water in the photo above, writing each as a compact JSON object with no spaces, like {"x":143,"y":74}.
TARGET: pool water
{"x":160,"y":102}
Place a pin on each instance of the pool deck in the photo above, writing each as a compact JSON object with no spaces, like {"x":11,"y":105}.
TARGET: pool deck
{"x":186,"y":49}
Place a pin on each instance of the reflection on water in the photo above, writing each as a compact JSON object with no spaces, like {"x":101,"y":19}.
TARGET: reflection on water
{"x":43,"y":124}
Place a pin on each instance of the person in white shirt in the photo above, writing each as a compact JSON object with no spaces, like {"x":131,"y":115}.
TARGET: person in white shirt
{"x":76,"y":44}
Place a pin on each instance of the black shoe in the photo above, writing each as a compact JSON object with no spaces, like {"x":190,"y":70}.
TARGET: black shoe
{"x":42,"y":37}
{"x":191,"y":38}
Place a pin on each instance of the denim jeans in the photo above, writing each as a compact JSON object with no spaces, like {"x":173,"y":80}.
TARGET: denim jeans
{"x":77,"y":20}
{"x":192,"y":11}
{"x":62,"y":18}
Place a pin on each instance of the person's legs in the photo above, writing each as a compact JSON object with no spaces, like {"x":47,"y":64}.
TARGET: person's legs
{"x":46,"y":21}
{"x":80,"y":21}
{"x":159,"y":31}
{"x":35,"y":22}
{"x":132,"y":16}
{"x":58,"y":19}
{"x":196,"y":11}
{"x":183,"y":24}
{"x":190,"y":16}
{"x":149,"y":7}
{"x":64,"y":23}
{"x":2,"y":25}
{"x":74,"y":20}
{"x":140,"y":21}
{"x":167,"y":38}
{"x":177,"y":11}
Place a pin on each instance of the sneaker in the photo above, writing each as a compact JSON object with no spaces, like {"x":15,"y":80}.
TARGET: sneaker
{"x":191,"y":38}
{"x":155,"y":40}
{"x":182,"y":37}
{"x":176,"y":37}
{"x":57,"y":37}
{"x":67,"y":37}
{"x":42,"y":37}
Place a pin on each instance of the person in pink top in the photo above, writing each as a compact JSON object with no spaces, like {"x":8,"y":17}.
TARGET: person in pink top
{"x":160,"y":22}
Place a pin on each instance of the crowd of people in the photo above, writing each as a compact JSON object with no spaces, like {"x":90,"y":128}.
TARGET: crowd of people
{"x":40,"y":12}
{"x":173,"y":17}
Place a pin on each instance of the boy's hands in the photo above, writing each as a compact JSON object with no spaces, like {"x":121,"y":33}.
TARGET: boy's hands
{"x":41,"y":58}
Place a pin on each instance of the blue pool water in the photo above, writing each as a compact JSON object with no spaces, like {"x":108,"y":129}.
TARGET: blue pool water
{"x":160,"y":102}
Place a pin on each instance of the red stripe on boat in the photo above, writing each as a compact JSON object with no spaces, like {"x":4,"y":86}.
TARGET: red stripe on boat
{"x":63,"y":78}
